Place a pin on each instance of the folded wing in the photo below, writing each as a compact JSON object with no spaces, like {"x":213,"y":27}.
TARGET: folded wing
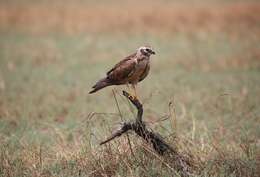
{"x":122,"y":71}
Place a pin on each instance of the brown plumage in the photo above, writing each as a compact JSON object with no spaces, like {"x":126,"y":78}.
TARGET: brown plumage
{"x":130,"y":70}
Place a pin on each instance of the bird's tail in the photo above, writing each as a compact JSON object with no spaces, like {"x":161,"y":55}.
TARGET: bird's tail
{"x":100,"y":84}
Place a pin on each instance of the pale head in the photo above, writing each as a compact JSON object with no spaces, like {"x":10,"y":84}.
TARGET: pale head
{"x":145,"y":50}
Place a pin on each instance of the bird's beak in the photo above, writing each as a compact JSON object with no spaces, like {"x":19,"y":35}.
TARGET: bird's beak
{"x":153,"y":52}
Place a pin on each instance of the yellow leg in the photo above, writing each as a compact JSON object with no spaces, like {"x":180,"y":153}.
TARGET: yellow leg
{"x":128,"y":88}
{"x":132,"y":91}
{"x":135,"y":92}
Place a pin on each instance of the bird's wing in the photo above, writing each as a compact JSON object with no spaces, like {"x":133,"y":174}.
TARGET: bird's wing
{"x":122,"y":70}
{"x":145,"y":73}
{"x":121,"y":62}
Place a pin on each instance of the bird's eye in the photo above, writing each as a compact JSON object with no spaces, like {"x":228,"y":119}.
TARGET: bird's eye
{"x":148,"y":50}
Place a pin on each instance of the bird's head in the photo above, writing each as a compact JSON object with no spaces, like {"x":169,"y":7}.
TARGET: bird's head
{"x":145,"y":50}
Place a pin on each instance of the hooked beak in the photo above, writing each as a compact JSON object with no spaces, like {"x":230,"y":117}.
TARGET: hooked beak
{"x":151,"y":51}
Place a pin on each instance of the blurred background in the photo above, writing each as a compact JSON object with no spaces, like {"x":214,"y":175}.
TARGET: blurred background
{"x":52,"y":52}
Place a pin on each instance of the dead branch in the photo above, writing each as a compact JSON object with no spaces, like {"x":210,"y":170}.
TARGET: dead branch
{"x":157,"y":142}
{"x":139,"y":127}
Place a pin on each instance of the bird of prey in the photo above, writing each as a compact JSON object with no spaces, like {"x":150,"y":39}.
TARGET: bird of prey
{"x":131,"y":70}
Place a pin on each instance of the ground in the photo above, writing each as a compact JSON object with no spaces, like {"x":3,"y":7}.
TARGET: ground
{"x":202,"y":94}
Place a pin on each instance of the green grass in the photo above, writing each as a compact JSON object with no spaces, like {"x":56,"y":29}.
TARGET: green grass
{"x":45,"y":127}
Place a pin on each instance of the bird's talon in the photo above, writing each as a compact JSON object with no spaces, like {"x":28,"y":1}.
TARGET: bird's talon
{"x":131,"y":97}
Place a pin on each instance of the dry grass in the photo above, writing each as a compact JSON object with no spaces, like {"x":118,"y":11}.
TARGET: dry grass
{"x":116,"y":159}
{"x":202,"y":94}
{"x":130,"y":16}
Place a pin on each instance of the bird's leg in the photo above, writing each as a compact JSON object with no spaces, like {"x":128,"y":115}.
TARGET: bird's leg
{"x":135,"y":92}
{"x":132,"y":91}
{"x":128,"y":88}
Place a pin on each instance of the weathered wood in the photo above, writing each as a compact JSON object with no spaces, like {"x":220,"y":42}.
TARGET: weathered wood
{"x":139,"y":127}
{"x":178,"y":161}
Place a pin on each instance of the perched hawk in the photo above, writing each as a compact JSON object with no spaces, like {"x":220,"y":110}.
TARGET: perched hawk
{"x":130,"y":70}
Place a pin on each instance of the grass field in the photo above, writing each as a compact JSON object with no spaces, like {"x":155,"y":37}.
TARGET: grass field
{"x":207,"y":65}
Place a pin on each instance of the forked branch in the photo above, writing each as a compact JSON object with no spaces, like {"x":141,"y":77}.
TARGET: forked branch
{"x":139,"y":127}
{"x":179,"y":162}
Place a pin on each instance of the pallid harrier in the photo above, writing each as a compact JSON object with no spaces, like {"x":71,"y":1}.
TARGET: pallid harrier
{"x":131,"y":70}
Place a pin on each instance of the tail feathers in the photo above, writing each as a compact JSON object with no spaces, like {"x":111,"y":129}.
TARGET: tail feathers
{"x":99,"y":85}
